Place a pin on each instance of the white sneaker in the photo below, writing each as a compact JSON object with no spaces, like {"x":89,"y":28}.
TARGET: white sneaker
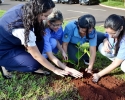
{"x":86,"y":62}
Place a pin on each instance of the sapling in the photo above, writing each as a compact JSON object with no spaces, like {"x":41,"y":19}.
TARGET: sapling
{"x":79,"y":55}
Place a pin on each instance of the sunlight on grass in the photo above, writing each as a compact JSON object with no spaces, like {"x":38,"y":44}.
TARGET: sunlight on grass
{"x":64,"y":24}
{"x":2,"y":12}
{"x":114,"y":4}
{"x":100,"y":29}
{"x":33,"y":87}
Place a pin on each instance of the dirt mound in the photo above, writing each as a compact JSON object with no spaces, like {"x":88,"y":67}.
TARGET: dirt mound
{"x":108,"y":88}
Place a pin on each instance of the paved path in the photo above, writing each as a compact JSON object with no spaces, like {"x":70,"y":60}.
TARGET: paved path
{"x":71,"y":12}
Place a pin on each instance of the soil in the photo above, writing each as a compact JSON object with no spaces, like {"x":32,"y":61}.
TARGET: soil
{"x":107,"y":88}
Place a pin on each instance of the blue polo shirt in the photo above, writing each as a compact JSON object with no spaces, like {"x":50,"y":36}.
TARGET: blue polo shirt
{"x":71,"y":34}
{"x":52,"y":34}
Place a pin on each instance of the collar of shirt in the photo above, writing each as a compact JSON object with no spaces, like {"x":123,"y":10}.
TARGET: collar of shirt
{"x":76,"y":33}
{"x":92,"y":34}
{"x":53,"y":32}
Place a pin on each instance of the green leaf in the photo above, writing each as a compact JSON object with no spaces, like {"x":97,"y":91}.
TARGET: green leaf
{"x":85,"y":51}
{"x":88,"y":54}
{"x":70,"y":61}
{"x":79,"y":54}
{"x":78,"y":45}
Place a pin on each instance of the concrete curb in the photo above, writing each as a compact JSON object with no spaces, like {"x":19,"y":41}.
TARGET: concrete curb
{"x":112,"y":7}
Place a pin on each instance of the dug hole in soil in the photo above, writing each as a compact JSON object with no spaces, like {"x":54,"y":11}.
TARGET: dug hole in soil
{"x":107,"y":88}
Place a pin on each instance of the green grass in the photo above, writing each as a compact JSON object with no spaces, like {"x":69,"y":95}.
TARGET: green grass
{"x":100,"y":28}
{"x":64,"y":24}
{"x":2,"y":12}
{"x":30,"y":87}
{"x":25,"y":86}
{"x":114,"y":4}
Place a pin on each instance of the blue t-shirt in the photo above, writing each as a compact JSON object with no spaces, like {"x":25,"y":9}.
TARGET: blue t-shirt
{"x":71,"y":34}
{"x":52,"y":34}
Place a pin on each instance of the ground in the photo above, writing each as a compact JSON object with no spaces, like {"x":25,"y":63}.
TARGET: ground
{"x":107,"y":88}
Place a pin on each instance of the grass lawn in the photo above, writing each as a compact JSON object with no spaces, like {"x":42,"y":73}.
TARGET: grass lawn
{"x":114,"y":4}
{"x":2,"y":12}
{"x":25,"y":86}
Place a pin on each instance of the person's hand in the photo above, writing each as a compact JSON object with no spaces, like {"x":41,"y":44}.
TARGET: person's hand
{"x":65,"y":63}
{"x":61,"y":72}
{"x":95,"y":78}
{"x":74,"y":72}
{"x":88,"y":70}
{"x":107,"y":45}
{"x":65,"y":57}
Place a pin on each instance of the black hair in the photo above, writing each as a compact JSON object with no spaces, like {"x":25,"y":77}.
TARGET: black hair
{"x":115,"y":22}
{"x":86,"y":21}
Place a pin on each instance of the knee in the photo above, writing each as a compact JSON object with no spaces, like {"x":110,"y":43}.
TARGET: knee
{"x":100,"y":37}
{"x":123,"y":66}
{"x":33,"y":67}
{"x":53,"y":43}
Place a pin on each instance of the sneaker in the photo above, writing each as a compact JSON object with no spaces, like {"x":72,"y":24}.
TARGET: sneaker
{"x":86,"y":62}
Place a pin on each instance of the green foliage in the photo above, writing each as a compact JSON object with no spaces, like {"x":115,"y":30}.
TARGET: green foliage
{"x":81,"y":51}
{"x":70,"y":61}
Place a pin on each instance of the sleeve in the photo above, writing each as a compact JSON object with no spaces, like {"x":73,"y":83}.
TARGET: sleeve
{"x":19,"y":33}
{"x":121,"y":51}
{"x":66,"y":34}
{"x":93,"y":41}
{"x":106,"y":35}
{"x":47,"y":45}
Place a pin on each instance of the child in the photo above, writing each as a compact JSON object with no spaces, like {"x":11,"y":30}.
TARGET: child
{"x":114,"y":46}
{"x":53,"y":41}
{"x":82,"y":31}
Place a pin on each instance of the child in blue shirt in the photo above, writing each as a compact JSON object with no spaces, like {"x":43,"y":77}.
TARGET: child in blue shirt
{"x":113,"y":47}
{"x":53,"y":41}
{"x":82,"y":31}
